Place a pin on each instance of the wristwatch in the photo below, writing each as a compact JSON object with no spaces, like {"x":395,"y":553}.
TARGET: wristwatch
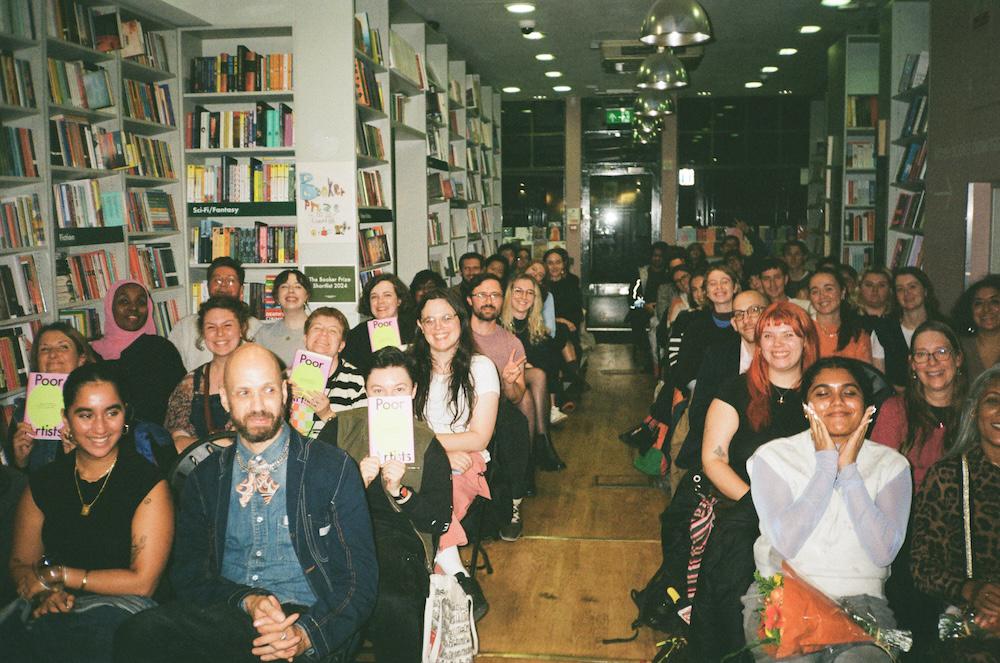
{"x":404,"y":494}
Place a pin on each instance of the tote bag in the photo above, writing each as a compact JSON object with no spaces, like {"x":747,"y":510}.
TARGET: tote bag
{"x":449,"y":630}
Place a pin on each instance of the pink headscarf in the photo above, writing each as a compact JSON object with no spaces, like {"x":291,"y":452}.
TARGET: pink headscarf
{"x":116,"y":339}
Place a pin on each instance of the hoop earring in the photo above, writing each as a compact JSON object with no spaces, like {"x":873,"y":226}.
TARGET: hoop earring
{"x":125,"y":430}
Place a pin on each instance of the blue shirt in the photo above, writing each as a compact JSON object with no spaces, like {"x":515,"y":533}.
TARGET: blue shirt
{"x":258,"y":548}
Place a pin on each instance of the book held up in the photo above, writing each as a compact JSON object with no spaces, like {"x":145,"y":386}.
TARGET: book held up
{"x":44,"y":405}
{"x":390,"y":428}
{"x":383,"y":333}
{"x":309,"y":372}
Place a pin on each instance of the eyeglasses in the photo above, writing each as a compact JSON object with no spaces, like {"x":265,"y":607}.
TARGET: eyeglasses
{"x":484,"y":296}
{"x":521,"y":292}
{"x":445,"y":319}
{"x":62,"y":348}
{"x":923,"y":356}
{"x":753,"y":312}
{"x":229,"y":281}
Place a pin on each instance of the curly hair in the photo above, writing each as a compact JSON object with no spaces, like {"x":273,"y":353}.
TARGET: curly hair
{"x":238,"y":309}
{"x":961,"y":314}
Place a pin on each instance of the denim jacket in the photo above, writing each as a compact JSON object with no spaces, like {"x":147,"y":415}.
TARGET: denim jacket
{"x":330,"y":529}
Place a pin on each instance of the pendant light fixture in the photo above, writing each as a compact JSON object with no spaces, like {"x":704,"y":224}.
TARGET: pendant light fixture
{"x":653,"y":103}
{"x":676,"y":23}
{"x":662,"y":71}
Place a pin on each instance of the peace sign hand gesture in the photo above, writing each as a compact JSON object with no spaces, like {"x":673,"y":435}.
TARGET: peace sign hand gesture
{"x":514,"y":370}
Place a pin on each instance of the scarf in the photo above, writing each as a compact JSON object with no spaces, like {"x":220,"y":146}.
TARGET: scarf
{"x":115,"y":339}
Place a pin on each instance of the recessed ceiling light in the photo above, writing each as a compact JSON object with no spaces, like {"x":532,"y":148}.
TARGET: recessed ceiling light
{"x":704,"y":93}
{"x":809,"y":29}
{"x":545,"y":57}
{"x":768,"y":69}
{"x":752,"y":84}
{"x":788,"y":51}
{"x":539,"y":96}
{"x":512,"y":89}
{"x":520,"y":7}
{"x":784,"y":91}
{"x":553,"y":74}
{"x":561,"y":88}
{"x":534,"y":35}
{"x":836,"y":3}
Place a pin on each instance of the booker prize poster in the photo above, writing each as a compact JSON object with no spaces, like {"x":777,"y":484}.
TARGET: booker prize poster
{"x":326,"y":209}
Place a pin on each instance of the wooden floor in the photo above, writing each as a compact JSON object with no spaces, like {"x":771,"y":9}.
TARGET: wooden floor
{"x":590,"y":535}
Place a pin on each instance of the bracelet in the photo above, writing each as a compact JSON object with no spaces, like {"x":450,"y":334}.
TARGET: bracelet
{"x":83,"y":581}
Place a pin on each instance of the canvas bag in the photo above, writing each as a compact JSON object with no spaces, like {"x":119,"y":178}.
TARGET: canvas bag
{"x":449,"y":630}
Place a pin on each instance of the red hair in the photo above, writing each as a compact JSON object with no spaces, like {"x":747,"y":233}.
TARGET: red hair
{"x":758,"y":375}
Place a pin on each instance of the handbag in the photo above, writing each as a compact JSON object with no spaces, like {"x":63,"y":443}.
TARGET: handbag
{"x":449,"y":629}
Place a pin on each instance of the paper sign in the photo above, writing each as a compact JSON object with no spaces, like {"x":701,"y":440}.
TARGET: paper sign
{"x":383,"y":333}
{"x":390,"y":428}
{"x":326,"y":208}
{"x":309,"y":373}
{"x":44,"y":405}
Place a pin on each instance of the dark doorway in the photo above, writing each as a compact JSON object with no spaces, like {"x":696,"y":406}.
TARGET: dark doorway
{"x":620,"y":226}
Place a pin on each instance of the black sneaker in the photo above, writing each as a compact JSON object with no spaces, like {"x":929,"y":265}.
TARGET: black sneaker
{"x":471,"y":587}
{"x":512,"y":530}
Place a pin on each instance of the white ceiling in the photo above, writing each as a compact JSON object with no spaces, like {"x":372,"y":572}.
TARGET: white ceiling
{"x":748,"y":34}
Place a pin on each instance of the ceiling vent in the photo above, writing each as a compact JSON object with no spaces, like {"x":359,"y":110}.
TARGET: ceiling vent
{"x":623,"y":56}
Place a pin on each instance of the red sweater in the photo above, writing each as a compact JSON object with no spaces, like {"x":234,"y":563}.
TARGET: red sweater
{"x":891,"y":429}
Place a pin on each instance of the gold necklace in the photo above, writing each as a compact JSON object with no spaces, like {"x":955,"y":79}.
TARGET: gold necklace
{"x":84,"y":507}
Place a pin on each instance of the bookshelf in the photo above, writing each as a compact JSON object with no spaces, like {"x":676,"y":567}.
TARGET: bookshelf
{"x":904,"y":91}
{"x":853,"y":115}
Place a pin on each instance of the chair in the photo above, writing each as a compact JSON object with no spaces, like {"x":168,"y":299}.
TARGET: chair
{"x":195,"y":454}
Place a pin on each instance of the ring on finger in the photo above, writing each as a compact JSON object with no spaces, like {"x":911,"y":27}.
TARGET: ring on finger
{"x":284,"y":635}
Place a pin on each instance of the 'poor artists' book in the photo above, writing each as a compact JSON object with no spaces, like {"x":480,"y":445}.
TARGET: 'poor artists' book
{"x":44,"y":405}
{"x":390,"y":428}
{"x":383,"y":333}
{"x":309,"y":373}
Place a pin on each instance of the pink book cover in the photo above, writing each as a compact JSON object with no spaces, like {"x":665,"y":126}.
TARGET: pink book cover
{"x":390,"y":428}
{"x":309,"y":372}
{"x":44,"y":404}
{"x":383,"y":333}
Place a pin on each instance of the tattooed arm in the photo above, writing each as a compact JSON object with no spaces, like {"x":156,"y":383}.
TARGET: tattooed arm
{"x":721,"y":424}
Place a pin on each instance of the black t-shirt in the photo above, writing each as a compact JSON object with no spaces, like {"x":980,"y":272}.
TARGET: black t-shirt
{"x":103,"y":539}
{"x":786,"y":419}
{"x":792,"y":288}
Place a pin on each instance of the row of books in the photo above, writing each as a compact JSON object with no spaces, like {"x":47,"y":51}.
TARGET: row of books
{"x":473,"y":95}
{"x":909,"y":212}
{"x":15,"y":351}
{"x":16,"y":86}
{"x":437,"y":106}
{"x":398,"y":108}
{"x":370,"y":143}
{"x":166,"y":313}
{"x":261,"y":244}
{"x":76,"y":143}
{"x":17,"y":18}
{"x":916,"y":117}
{"x":81,"y":204}
{"x":244,"y":71}
{"x":914,"y":72}
{"x":859,"y":226}
{"x":149,"y":101}
{"x":405,"y":60}
{"x":860,"y":153}
{"x":441,"y":186}
{"x":21,"y":223}
{"x":913,"y":164}
{"x":264,"y":126}
{"x":435,"y":229}
{"x":241,"y":181}
{"x":366,"y":38}
{"x":130,"y":40}
{"x":475,"y":223}
{"x":455,"y":94}
{"x":17,"y":152}
{"x":908,"y":252}
{"x":374,"y":246}
{"x":370,"y":191}
{"x":862,"y":111}
{"x":153,"y":264}
{"x":436,"y":143}
{"x":85,"y":320}
{"x":367,"y":91}
{"x":256,"y":295}
{"x":20,"y":288}
{"x":147,"y":157}
{"x":859,"y":191}
{"x":150,"y":210}
{"x":83,"y":276}
{"x":858,"y":257}
{"x":79,"y":84}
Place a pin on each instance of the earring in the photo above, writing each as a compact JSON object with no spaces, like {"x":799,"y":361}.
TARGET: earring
{"x":125,"y":431}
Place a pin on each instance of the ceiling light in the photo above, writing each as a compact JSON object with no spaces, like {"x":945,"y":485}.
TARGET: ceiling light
{"x":561,"y":88}
{"x":752,"y":84}
{"x":809,"y":29}
{"x":545,"y":57}
{"x":520,"y":7}
{"x":788,"y":51}
{"x":836,"y":3}
{"x":533,"y":35}
{"x":676,"y":23}
{"x":662,"y":71}
{"x":553,"y":74}
{"x":768,"y":69}
{"x":784,"y":91}
{"x":653,"y":103}
{"x":539,"y":96}
{"x":512,"y":89}
{"x":704,"y":93}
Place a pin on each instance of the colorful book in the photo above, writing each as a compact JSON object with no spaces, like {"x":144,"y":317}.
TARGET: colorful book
{"x":44,"y":405}
{"x":390,"y":428}
{"x":383,"y":333}
{"x":309,"y":372}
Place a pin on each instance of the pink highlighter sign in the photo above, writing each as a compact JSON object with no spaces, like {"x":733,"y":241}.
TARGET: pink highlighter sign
{"x":383,"y":333}
{"x":44,"y":405}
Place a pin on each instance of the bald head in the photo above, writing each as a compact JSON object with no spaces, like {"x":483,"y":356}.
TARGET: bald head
{"x":254,"y":394}
{"x":251,"y":356}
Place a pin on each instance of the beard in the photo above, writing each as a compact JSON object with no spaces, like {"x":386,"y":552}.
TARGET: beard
{"x":257,"y":434}
{"x":487,"y":313}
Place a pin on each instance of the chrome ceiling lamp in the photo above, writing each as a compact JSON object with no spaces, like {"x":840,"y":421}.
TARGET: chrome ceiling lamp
{"x":661,"y":71}
{"x":653,"y":103}
{"x":675,"y":23}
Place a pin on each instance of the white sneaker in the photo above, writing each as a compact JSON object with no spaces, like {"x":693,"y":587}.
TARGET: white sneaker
{"x":557,"y":416}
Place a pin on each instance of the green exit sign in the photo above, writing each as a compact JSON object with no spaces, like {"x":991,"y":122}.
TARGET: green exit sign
{"x":619,"y":116}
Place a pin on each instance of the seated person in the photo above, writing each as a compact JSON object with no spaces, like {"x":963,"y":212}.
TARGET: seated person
{"x":385,"y":296}
{"x":410,"y":506}
{"x":195,"y":408}
{"x":102,"y":517}
{"x":831,"y":503}
{"x":58,"y":348}
{"x":274,"y":557}
{"x":131,"y":342}
{"x":345,"y":388}
{"x":291,"y":291}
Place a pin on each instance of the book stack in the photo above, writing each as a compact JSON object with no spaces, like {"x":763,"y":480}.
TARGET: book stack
{"x":370,"y":142}
{"x":475,"y":225}
{"x":21,"y":224}
{"x":79,"y":84}
{"x":862,"y":111}
{"x":435,"y":230}
{"x":87,"y":321}
{"x":149,"y":101}
{"x":17,"y":152}
{"x":79,"y":204}
{"x":370,"y":192}
{"x":859,"y":191}
{"x":262,"y":244}
{"x":366,"y":88}
{"x":84,"y":276}
{"x":909,"y":212}
{"x":473,"y":195}
{"x":148,"y":49}
{"x":165,"y":316}
{"x":439,"y":186}
{"x":16,"y":87}
{"x":245,"y":71}
{"x":71,"y":21}
{"x":860,"y":153}
{"x":406,"y":61}
{"x":20,"y":289}
{"x":153,"y":264}
{"x":366,"y":39}
{"x":859,"y":226}
{"x":150,"y":210}
{"x":14,"y":359}
{"x":241,"y":181}
{"x":147,"y":157}
{"x":75,"y":143}
{"x":374,"y":246}
{"x":264,"y":126}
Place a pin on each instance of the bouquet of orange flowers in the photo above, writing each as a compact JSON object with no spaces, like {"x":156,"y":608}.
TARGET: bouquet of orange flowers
{"x":819,"y":621}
